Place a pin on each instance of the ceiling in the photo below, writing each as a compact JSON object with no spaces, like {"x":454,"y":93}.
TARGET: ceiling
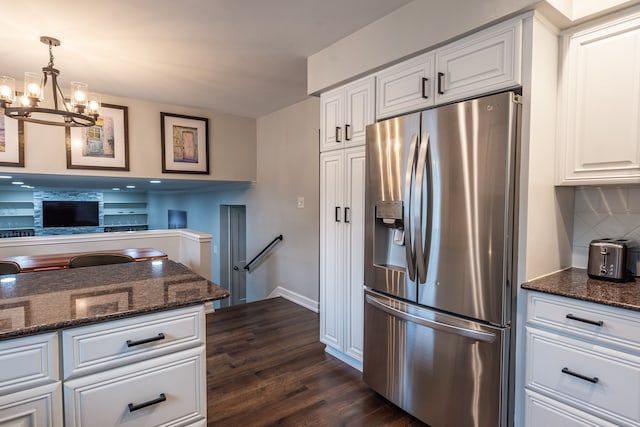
{"x":244,"y":57}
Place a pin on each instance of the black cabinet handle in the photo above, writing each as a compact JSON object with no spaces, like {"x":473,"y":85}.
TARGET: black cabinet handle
{"x":337,"y":213}
{"x":133,"y":407}
{"x":346,"y":215}
{"x":159,"y":337}
{"x":440,"y":76}
{"x":424,"y":88}
{"x":593,"y":380}
{"x":580,"y":319}
{"x":338,"y":130}
{"x":346,"y":132}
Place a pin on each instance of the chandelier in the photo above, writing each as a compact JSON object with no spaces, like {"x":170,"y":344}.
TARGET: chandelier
{"x":81,"y":109}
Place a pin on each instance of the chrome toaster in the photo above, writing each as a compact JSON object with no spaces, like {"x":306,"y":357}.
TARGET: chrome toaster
{"x":609,"y":260}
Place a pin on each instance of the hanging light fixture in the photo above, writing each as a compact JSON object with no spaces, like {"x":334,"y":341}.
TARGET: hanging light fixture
{"x":81,"y":109}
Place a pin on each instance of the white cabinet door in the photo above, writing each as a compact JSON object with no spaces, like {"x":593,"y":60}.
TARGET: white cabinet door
{"x":354,"y":251}
{"x":599,"y":132}
{"x":484,"y":62}
{"x":344,"y":114}
{"x":331,"y":247}
{"x":342,"y":178}
{"x":540,"y":411}
{"x":331,"y":118}
{"x":405,"y":87}
{"x":358,"y":110}
{"x":35,"y":407}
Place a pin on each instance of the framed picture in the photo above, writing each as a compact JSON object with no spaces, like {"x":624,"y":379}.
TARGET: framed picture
{"x":11,"y":141}
{"x":15,"y":315}
{"x":185,"y":143}
{"x":104,"y":146}
{"x":101,"y":303}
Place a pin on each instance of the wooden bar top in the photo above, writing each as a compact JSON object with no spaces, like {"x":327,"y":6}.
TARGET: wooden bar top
{"x":32,"y":263}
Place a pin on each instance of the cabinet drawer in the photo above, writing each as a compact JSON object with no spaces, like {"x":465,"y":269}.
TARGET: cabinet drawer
{"x":612,"y":326}
{"x":167,"y":391}
{"x":28,"y":362}
{"x":542,"y":411}
{"x":37,"y":407}
{"x":107,"y":345}
{"x":554,"y":364}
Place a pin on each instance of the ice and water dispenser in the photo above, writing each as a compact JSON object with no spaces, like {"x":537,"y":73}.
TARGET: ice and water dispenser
{"x":389,"y":249}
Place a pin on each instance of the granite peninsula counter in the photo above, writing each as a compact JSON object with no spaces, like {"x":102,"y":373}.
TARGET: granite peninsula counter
{"x":109,"y":345}
{"x":50,"y":300}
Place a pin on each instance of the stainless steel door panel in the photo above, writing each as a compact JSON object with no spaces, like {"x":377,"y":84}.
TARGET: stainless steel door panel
{"x":472,"y":180}
{"x":444,"y":370}
{"x":389,"y":241}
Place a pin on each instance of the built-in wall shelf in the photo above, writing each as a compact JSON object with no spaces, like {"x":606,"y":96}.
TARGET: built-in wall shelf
{"x":125,"y":211}
{"x":16,"y":216}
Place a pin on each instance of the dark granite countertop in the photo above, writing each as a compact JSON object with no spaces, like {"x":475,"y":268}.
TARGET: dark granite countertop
{"x":33,"y":303}
{"x":575,"y":283}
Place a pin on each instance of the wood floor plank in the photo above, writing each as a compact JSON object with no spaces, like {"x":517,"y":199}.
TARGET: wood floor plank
{"x":266,"y":366}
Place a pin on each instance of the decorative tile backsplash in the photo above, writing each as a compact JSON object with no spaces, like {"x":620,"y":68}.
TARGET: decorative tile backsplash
{"x":604,"y":212}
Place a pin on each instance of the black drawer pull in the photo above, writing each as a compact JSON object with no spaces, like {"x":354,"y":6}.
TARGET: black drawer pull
{"x":440,"y":90}
{"x":580,"y":319}
{"x":133,"y":407}
{"x":567,"y":371}
{"x":159,"y":337}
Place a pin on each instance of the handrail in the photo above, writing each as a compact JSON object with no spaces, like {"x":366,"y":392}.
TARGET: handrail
{"x":262,"y":252}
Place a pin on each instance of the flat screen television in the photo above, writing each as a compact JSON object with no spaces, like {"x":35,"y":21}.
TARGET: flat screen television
{"x":69,"y":214}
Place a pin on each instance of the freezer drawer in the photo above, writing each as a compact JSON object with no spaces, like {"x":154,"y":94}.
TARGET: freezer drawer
{"x":444,"y":370}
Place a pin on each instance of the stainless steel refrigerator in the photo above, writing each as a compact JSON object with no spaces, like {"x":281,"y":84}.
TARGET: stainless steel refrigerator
{"x":439,"y":260}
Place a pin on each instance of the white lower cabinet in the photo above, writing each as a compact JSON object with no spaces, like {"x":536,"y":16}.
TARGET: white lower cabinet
{"x":168,"y":391}
{"x":582,"y":365}
{"x":146,"y":370}
{"x":30,"y":390}
{"x":35,"y":407}
{"x":342,"y":253}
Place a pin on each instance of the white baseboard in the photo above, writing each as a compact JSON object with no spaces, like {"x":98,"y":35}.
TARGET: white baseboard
{"x":295,"y":297}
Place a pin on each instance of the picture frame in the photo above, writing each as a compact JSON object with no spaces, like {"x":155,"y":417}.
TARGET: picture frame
{"x":11,"y":141}
{"x":101,"y":147}
{"x":15,"y":315}
{"x":101,"y":303}
{"x":185,"y":144}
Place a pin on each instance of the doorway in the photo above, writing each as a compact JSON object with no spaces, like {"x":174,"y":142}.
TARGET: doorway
{"x":233,"y":258}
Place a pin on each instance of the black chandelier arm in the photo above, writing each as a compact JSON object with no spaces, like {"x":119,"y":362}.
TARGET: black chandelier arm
{"x":71,"y":119}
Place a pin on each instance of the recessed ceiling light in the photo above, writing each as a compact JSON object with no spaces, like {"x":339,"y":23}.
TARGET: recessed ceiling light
{"x":17,"y":182}
{"x":115,"y":189}
{"x":5,"y":177}
{"x":26,"y":186}
{"x":131,"y":186}
{"x":155,"y":181}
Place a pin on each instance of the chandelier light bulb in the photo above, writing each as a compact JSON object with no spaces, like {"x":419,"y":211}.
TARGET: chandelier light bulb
{"x":7,"y":89}
{"x":33,"y":90}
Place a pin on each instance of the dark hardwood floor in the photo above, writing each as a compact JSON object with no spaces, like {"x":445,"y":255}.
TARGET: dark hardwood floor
{"x":265,"y":366}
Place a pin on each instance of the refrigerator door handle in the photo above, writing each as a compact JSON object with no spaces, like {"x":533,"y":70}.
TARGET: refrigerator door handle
{"x":433,"y":324}
{"x":419,"y":240}
{"x":408,"y":237}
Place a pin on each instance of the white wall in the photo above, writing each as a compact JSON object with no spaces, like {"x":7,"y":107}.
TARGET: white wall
{"x":288,"y":168}
{"x":232,"y":145}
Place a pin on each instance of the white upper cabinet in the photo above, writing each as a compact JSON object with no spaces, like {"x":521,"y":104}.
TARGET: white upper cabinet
{"x":344,"y":114}
{"x":484,"y":62}
{"x":481,"y":63}
{"x":405,"y":87}
{"x":599,"y":127}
